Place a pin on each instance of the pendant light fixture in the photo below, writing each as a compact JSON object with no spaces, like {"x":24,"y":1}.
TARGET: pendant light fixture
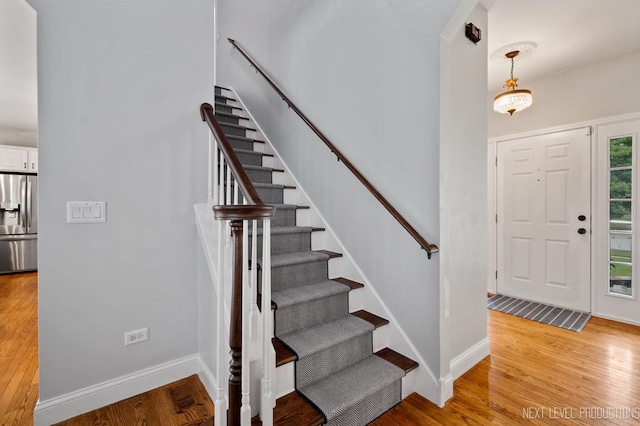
{"x":514,"y":99}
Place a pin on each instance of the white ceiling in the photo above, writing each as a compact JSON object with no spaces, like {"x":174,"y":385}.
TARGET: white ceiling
{"x":569,"y":34}
{"x":18,"y":74}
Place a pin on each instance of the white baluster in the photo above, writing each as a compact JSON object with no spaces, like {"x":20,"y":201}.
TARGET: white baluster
{"x":220,"y":199}
{"x":255,"y":313}
{"x":213,"y":172}
{"x":228,"y":185}
{"x":268,"y":353}
{"x":245,"y":408}
{"x":236,"y":197}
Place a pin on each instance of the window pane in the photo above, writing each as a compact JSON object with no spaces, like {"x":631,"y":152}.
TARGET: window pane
{"x":620,"y":215}
{"x":620,"y":184}
{"x":620,"y":279}
{"x":620,"y":152}
{"x":620,"y":248}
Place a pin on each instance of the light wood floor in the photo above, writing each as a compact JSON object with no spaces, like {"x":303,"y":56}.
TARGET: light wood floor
{"x":537,"y":374}
{"x":18,"y":348}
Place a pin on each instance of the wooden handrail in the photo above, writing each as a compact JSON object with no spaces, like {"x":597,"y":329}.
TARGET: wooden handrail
{"x":428,"y":247}
{"x":255,"y":208}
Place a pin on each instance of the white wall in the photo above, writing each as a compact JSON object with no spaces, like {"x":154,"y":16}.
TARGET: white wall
{"x":18,"y":76}
{"x":463,"y":194}
{"x":604,"y":89}
{"x":120,"y":84}
{"x":367,"y":74}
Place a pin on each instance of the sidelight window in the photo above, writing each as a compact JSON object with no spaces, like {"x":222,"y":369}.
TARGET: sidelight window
{"x":621,"y":216}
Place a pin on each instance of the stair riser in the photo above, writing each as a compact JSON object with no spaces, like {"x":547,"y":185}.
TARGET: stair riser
{"x":271,"y":195}
{"x":260,"y":176}
{"x":221,"y":99}
{"x":296,"y":317}
{"x":283,"y":217}
{"x":226,"y":119}
{"x":250,"y":159}
{"x":224,"y":108}
{"x":256,"y":176}
{"x":370,"y":408}
{"x":293,"y":275}
{"x":323,"y":363}
{"x":241,"y":144}
{"x":287,"y":243}
{"x":234,"y":131}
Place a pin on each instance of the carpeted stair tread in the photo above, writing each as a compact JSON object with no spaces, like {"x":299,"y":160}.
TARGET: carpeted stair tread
{"x":269,"y":185}
{"x":248,"y":152}
{"x":237,"y":126}
{"x":224,"y":99}
{"x":222,"y":104}
{"x":283,"y":230}
{"x":306,"y":293}
{"x":297,"y":258}
{"x":244,"y":138}
{"x":344,"y":389}
{"x":262,"y":168}
{"x":229,"y":115}
{"x":323,"y":336}
{"x":285,"y":206}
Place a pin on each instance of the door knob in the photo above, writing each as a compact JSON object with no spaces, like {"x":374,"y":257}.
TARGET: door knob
{"x":582,"y":218}
{"x":582,"y":231}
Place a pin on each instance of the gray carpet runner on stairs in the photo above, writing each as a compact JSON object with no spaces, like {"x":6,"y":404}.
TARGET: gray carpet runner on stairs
{"x":336,"y":369}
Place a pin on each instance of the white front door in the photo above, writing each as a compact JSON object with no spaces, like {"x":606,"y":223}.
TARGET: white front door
{"x":544,"y":219}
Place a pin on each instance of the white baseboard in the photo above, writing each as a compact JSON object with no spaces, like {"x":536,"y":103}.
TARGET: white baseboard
{"x":615,"y":318}
{"x":466,"y":360}
{"x":93,"y":397}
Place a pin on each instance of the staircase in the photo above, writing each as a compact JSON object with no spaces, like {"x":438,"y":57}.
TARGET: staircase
{"x":339,"y":379}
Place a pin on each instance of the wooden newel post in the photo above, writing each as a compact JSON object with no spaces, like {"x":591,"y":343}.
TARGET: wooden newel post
{"x":235,"y":332}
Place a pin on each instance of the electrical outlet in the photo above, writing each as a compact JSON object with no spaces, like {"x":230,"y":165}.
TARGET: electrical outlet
{"x":136,"y":336}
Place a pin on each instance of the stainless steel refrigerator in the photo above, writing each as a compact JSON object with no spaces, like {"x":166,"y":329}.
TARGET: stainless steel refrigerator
{"x":18,"y":223}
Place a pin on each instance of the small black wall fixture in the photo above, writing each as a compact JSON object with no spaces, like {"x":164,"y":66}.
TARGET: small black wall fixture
{"x":473,"y":33}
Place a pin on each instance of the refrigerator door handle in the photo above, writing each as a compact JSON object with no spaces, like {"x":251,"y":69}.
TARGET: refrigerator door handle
{"x":23,"y":195}
{"x":28,"y":209}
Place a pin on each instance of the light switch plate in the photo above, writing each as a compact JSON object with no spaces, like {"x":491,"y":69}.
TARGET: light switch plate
{"x":86,"y":211}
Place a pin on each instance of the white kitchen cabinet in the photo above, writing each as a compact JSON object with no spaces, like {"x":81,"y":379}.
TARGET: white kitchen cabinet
{"x":18,"y":159}
{"x":32,"y":161}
